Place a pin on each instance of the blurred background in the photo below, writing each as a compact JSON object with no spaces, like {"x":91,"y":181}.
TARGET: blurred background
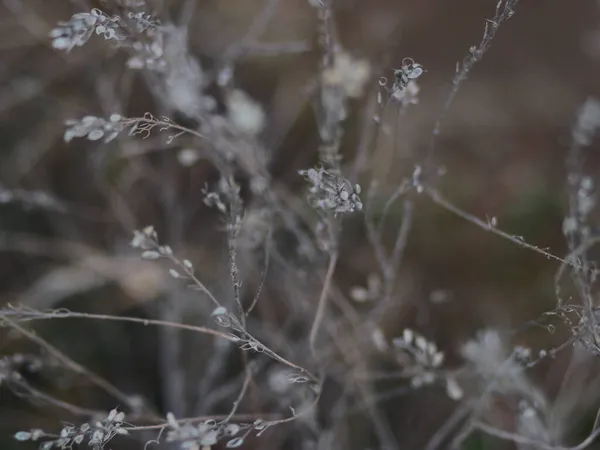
{"x":68,"y":211}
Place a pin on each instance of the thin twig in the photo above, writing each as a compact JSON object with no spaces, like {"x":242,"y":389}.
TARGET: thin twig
{"x":440,"y":200}
{"x":237,"y":402}
{"x":322,"y":306}
{"x":504,"y":11}
{"x":190,"y":273}
{"x":263,"y":276}
{"x":68,"y":362}
{"x":399,"y":247}
{"x":517,"y":438}
{"x":30,"y":314}
{"x":51,"y":400}
{"x":237,"y":417}
{"x":438,"y":437}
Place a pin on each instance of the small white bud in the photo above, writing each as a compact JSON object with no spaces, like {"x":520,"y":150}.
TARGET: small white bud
{"x":171,"y":420}
{"x":111,"y":415}
{"x":408,"y":336}
{"x":453,"y":389}
{"x":421,"y":343}
{"x":150,"y":254}
{"x":379,"y":340}
{"x":166,"y":250}
{"x":359,"y":294}
{"x":219,"y":311}
{"x":437,"y":359}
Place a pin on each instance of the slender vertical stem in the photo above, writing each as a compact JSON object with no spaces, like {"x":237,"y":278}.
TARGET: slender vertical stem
{"x":322,"y":306}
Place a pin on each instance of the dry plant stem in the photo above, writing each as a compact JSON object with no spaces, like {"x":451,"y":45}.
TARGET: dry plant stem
{"x":381,"y":153}
{"x":384,"y":432}
{"x":192,"y":276}
{"x":151,"y":122}
{"x":477,"y":407}
{"x":442,"y":433}
{"x":399,"y":247}
{"x":584,"y":277}
{"x":69,"y":363}
{"x":518,"y":439}
{"x":266,"y":350}
{"x":205,"y":390}
{"x":389,"y":158}
{"x":369,"y":137}
{"x":236,"y":417}
{"x":362,"y":331}
{"x":169,"y":353}
{"x":504,"y":11}
{"x":29,"y":314}
{"x":233,"y":228}
{"x":575,"y":171}
{"x":171,"y":309}
{"x":322,"y":305}
{"x":369,"y":130}
{"x":596,"y":425}
{"x":42,"y":396}
{"x":404,"y":188}
{"x":339,"y":428}
{"x":216,"y":394}
{"x":328,"y":33}
{"x":263,"y":348}
{"x":389,"y":266}
{"x":237,"y":402}
{"x":349,"y":313}
{"x":235,"y":281}
{"x":440,"y":200}
{"x":335,"y":327}
{"x":292,"y":211}
{"x":573,"y":257}
{"x":263,"y":276}
{"x":373,"y":116}
{"x":373,"y":234}
{"x":573,"y":386}
{"x":258,"y":26}
{"x":302,"y":413}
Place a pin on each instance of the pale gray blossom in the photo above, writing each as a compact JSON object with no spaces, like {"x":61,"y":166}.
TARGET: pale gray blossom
{"x":78,"y":30}
{"x":96,"y":433}
{"x":332,"y":193}
{"x":94,"y":128}
{"x":409,"y":70}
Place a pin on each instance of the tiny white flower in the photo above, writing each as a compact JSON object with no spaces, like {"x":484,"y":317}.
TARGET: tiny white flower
{"x":359,"y":294}
{"x":453,"y":389}
{"x":94,"y":135}
{"x":437,"y":359}
{"x":408,"y":336}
